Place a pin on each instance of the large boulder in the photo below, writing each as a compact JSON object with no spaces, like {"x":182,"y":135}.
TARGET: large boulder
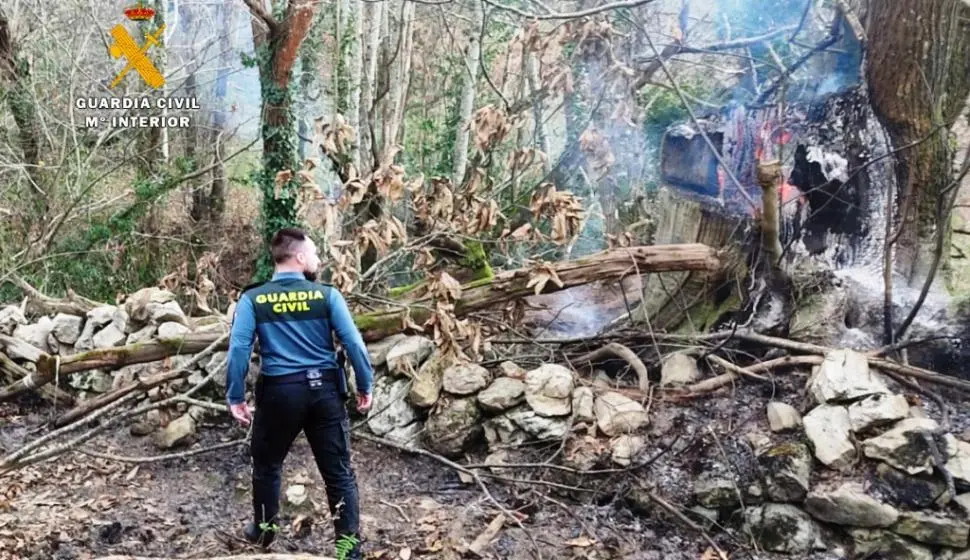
{"x":844,"y":376}
{"x":829,"y":429}
{"x":406,"y":356}
{"x":617,"y":414}
{"x":820,"y":318}
{"x":172,"y":330}
{"x":548,"y":390}
{"x":465,"y":379}
{"x":168,"y":312}
{"x":716,"y":492}
{"x":848,"y":504}
{"x":453,"y":427}
{"x":583,"y":401}
{"x":503,"y":394}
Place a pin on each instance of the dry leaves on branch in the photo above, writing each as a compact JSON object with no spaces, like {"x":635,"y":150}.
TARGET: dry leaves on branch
{"x":540,"y":274}
{"x":563,"y":209}
{"x":380,"y":235}
{"x":490,"y":125}
{"x":336,"y":138}
{"x":345,"y":265}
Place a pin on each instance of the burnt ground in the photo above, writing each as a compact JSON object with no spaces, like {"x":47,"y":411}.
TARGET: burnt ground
{"x":78,"y":507}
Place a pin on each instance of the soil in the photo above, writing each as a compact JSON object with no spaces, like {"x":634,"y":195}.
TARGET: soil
{"x":79,"y":507}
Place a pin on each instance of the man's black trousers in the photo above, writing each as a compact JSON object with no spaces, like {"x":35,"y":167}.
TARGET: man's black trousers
{"x":284,"y":407}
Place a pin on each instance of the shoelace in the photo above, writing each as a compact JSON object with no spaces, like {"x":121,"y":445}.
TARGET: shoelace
{"x":345,"y":545}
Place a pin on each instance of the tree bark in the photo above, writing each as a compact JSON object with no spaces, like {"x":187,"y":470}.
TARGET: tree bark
{"x":220,"y":182}
{"x":475,"y":296}
{"x":15,"y":71}
{"x":355,"y":31}
{"x":918,"y":75}
{"x":467,"y":98}
{"x":375,"y":13}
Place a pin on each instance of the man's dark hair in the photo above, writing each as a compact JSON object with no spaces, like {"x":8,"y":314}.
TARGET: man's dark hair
{"x":285,"y":243}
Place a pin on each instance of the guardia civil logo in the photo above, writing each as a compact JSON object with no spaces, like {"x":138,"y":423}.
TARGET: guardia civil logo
{"x":125,"y":46}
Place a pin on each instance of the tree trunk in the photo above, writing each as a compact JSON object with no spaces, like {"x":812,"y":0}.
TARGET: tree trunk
{"x":355,"y":31}
{"x":15,"y":71}
{"x":475,"y":296}
{"x":532,"y":74}
{"x":467,"y":99}
{"x":220,"y":183}
{"x":278,"y":49}
{"x":375,"y":14}
{"x":918,"y":75}
{"x":399,"y":80}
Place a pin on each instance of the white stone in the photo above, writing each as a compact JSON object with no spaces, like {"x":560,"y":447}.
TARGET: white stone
{"x":67,"y":328}
{"x":109,"y":337}
{"x":101,"y":316}
{"x":782,"y":417}
{"x":844,"y":375}
{"x":177,"y":433}
{"x":625,"y":448}
{"x":168,"y":312}
{"x":678,"y":369}
{"x":465,"y":379}
{"x":876,"y":410}
{"x":548,"y":390}
{"x":540,"y":427}
{"x":36,"y":334}
{"x":426,"y":385}
{"x":296,"y":494}
{"x":617,"y":414}
{"x":390,"y":408}
{"x":408,"y":436}
{"x":959,"y":462}
{"x":10,"y":318}
{"x":406,"y":357}
{"x":903,"y":447}
{"x":503,"y":394}
{"x":782,"y":528}
{"x":828,"y":428}
{"x":583,"y":400}
{"x":377,"y":351}
{"x":848,"y":504}
{"x":142,"y":335}
{"x":172,"y":330}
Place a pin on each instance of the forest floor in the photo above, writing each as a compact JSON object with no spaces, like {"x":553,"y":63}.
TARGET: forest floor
{"x":79,"y":507}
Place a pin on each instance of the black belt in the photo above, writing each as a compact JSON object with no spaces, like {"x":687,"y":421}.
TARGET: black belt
{"x":329,"y":375}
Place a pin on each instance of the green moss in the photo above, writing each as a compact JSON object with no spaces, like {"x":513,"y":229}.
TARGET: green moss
{"x":402,"y":290}
{"x":477,"y":260}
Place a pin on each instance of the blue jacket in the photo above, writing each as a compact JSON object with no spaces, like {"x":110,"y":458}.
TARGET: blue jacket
{"x":294,"y":320}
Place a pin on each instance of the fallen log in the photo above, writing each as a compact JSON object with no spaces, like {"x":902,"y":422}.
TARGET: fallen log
{"x":242,"y":557}
{"x":40,"y":304}
{"x":475,"y":296}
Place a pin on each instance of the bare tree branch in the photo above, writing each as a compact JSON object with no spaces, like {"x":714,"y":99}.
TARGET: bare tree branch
{"x":255,"y":6}
{"x":571,"y":15}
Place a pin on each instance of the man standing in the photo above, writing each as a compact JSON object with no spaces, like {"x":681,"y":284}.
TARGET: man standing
{"x":301,"y":386}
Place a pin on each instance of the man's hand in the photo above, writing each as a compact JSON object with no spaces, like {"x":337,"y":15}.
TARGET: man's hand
{"x":241,"y":413}
{"x":364,"y":402}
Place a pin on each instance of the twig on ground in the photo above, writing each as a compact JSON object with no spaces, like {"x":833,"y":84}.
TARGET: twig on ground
{"x":161,"y":458}
{"x":399,"y":510}
{"x":617,"y":350}
{"x":686,"y":521}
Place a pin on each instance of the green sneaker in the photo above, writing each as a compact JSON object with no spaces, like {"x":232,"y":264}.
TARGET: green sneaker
{"x":348,"y":548}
